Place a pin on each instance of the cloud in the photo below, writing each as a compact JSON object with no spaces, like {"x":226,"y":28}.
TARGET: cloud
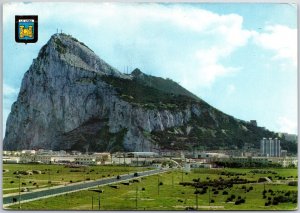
{"x":9,"y":92}
{"x":287,"y":125}
{"x":280,"y":39}
{"x":179,"y":41}
{"x":9,"y":96}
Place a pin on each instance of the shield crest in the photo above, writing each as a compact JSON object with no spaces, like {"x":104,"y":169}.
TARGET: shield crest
{"x":26,"y":29}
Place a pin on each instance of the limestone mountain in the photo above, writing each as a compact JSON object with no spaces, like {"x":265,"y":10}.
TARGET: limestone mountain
{"x":71,"y":99}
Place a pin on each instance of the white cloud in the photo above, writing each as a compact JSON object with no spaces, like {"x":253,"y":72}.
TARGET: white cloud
{"x":287,"y":125}
{"x":9,"y":90}
{"x":202,"y":38}
{"x":280,"y":39}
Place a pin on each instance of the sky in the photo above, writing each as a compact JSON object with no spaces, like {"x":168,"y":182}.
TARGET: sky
{"x":239,"y":57}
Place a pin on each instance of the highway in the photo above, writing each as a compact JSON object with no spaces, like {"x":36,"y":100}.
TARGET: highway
{"x":28,"y":196}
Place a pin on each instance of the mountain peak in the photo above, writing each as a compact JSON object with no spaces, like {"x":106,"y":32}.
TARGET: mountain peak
{"x":75,"y":53}
{"x":136,"y":72}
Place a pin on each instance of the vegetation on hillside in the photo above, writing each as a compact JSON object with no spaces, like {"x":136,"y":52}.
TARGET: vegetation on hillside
{"x":212,"y":130}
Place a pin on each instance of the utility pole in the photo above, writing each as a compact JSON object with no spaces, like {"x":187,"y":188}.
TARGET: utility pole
{"x":136,"y":198}
{"x":49,"y":178}
{"x":158,"y":184}
{"x":98,"y":191}
{"x":99,"y":200}
{"x":208,"y":196}
{"x":19,"y":191}
{"x":172,"y":179}
{"x":197,"y":200}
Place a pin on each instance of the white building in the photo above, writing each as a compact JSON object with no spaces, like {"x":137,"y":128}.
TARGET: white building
{"x":11,"y":159}
{"x":270,"y":147}
{"x":210,"y":156}
{"x":28,"y":152}
{"x":89,"y":160}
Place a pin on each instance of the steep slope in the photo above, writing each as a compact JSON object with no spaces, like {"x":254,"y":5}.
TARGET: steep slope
{"x":165,"y":85}
{"x":71,"y":99}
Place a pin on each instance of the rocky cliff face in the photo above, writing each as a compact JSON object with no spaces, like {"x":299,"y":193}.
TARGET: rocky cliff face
{"x":62,"y":94}
{"x":71,"y":99}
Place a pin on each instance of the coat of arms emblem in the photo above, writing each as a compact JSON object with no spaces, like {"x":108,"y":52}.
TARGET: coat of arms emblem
{"x":26,"y":29}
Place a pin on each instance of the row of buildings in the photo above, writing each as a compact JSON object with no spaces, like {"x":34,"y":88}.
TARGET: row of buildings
{"x":61,"y":157}
{"x":203,"y":159}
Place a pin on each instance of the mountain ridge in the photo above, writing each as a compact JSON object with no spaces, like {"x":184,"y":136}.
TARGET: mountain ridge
{"x":71,"y":99}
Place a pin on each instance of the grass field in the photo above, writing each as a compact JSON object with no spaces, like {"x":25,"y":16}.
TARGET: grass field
{"x":57,"y":174}
{"x":163,"y":192}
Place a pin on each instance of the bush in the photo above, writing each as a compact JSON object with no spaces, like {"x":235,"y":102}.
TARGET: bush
{"x":237,"y":202}
{"x":216,"y":192}
{"x":232,"y":197}
{"x":135,"y":174}
{"x":293,"y":183}
{"x":161,"y":183}
{"x":118,"y":177}
{"x":212,"y":201}
{"x":12,"y":181}
{"x":225,"y":193}
{"x":143,"y":189}
{"x":71,"y":181}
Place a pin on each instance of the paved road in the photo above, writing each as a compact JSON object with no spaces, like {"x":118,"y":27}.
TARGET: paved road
{"x":75,"y":187}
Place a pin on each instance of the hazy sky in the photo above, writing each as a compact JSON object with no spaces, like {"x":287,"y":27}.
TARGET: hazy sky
{"x":240,"y":58}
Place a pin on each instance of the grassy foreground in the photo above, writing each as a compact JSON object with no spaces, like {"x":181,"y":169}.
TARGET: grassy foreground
{"x":57,"y":175}
{"x":163,"y":192}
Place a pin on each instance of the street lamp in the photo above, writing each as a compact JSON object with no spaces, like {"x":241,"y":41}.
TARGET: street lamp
{"x":99,"y":191}
{"x":136,"y":197}
{"x":158,"y":184}
{"x":19,"y":176}
{"x":196,"y":193}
